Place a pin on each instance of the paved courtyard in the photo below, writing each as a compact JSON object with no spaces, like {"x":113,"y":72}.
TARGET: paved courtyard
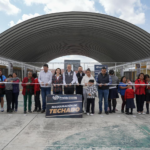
{"x":99,"y":132}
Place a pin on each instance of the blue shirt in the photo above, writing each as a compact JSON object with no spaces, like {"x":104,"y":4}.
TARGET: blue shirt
{"x":122,"y":91}
{"x":2,"y":79}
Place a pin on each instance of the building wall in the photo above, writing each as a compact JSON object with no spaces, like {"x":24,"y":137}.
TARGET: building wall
{"x":4,"y":70}
{"x":75,"y":64}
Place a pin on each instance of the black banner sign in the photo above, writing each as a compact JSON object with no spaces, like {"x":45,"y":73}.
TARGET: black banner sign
{"x":64,"y":106}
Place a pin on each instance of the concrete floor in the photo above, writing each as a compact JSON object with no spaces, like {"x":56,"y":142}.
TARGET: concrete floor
{"x":99,"y":132}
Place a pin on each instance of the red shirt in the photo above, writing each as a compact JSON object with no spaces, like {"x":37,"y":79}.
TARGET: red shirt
{"x":36,"y":86}
{"x":25,"y":80}
{"x":139,"y":89}
{"x":129,"y":94}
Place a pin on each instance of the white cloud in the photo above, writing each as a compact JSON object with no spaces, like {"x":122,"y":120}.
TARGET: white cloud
{"x":11,"y":23}
{"x":8,"y":8}
{"x":129,"y":10}
{"x":52,"y":6}
{"x":24,"y":17}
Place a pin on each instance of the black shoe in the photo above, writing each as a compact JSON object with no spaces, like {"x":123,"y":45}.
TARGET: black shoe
{"x":25,"y":112}
{"x":147,"y":112}
{"x":106,"y":113}
{"x":35,"y":110}
{"x":30,"y":111}
{"x":131,"y":113}
{"x":10,"y":111}
{"x":122,"y":111}
{"x":110,"y":111}
{"x":113,"y":111}
{"x":127,"y":113}
{"x":100,"y":112}
{"x":38,"y":110}
{"x":43,"y":111}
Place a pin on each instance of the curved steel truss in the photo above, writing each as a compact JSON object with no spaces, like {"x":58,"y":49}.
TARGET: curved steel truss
{"x":98,"y":36}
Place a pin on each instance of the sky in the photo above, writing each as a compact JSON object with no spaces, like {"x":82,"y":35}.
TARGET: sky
{"x":13,"y":12}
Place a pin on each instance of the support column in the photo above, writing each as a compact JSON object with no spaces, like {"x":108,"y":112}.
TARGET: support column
{"x":121,"y":71}
{"x":115,"y":69}
{"x":25,"y":71}
{"x":138,"y":69}
{"x":22,"y":68}
{"x":10,"y":68}
{"x":34,"y":70}
{"x":146,"y":67}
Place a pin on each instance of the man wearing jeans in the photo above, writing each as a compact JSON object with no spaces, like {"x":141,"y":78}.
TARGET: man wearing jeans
{"x":103,"y":81}
{"x":45,"y":80}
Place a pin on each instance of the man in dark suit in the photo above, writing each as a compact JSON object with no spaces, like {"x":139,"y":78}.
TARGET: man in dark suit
{"x":79,"y":88}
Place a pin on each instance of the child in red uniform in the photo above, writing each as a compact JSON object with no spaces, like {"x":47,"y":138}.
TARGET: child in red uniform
{"x":129,"y":97}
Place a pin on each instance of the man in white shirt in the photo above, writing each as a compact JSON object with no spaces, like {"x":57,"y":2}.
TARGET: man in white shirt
{"x":69,"y":78}
{"x":45,"y":80}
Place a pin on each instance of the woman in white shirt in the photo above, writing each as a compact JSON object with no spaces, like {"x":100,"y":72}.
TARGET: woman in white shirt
{"x":84,"y":82}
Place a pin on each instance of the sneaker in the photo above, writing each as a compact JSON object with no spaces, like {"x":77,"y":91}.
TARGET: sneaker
{"x":143,"y":113}
{"x":91,"y":114}
{"x":116,"y":109}
{"x":2,"y":109}
{"x":88,"y":114}
{"x":15,"y":110}
{"x":139,"y":113}
{"x":84,"y":112}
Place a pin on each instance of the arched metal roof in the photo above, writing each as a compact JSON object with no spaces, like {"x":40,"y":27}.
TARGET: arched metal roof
{"x":99,"y":36}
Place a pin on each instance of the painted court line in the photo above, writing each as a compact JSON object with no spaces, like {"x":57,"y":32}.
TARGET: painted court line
{"x":19,"y":132}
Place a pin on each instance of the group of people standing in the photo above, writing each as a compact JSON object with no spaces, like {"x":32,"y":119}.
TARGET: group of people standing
{"x":11,"y":91}
{"x":107,"y":86}
{"x":141,"y":93}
